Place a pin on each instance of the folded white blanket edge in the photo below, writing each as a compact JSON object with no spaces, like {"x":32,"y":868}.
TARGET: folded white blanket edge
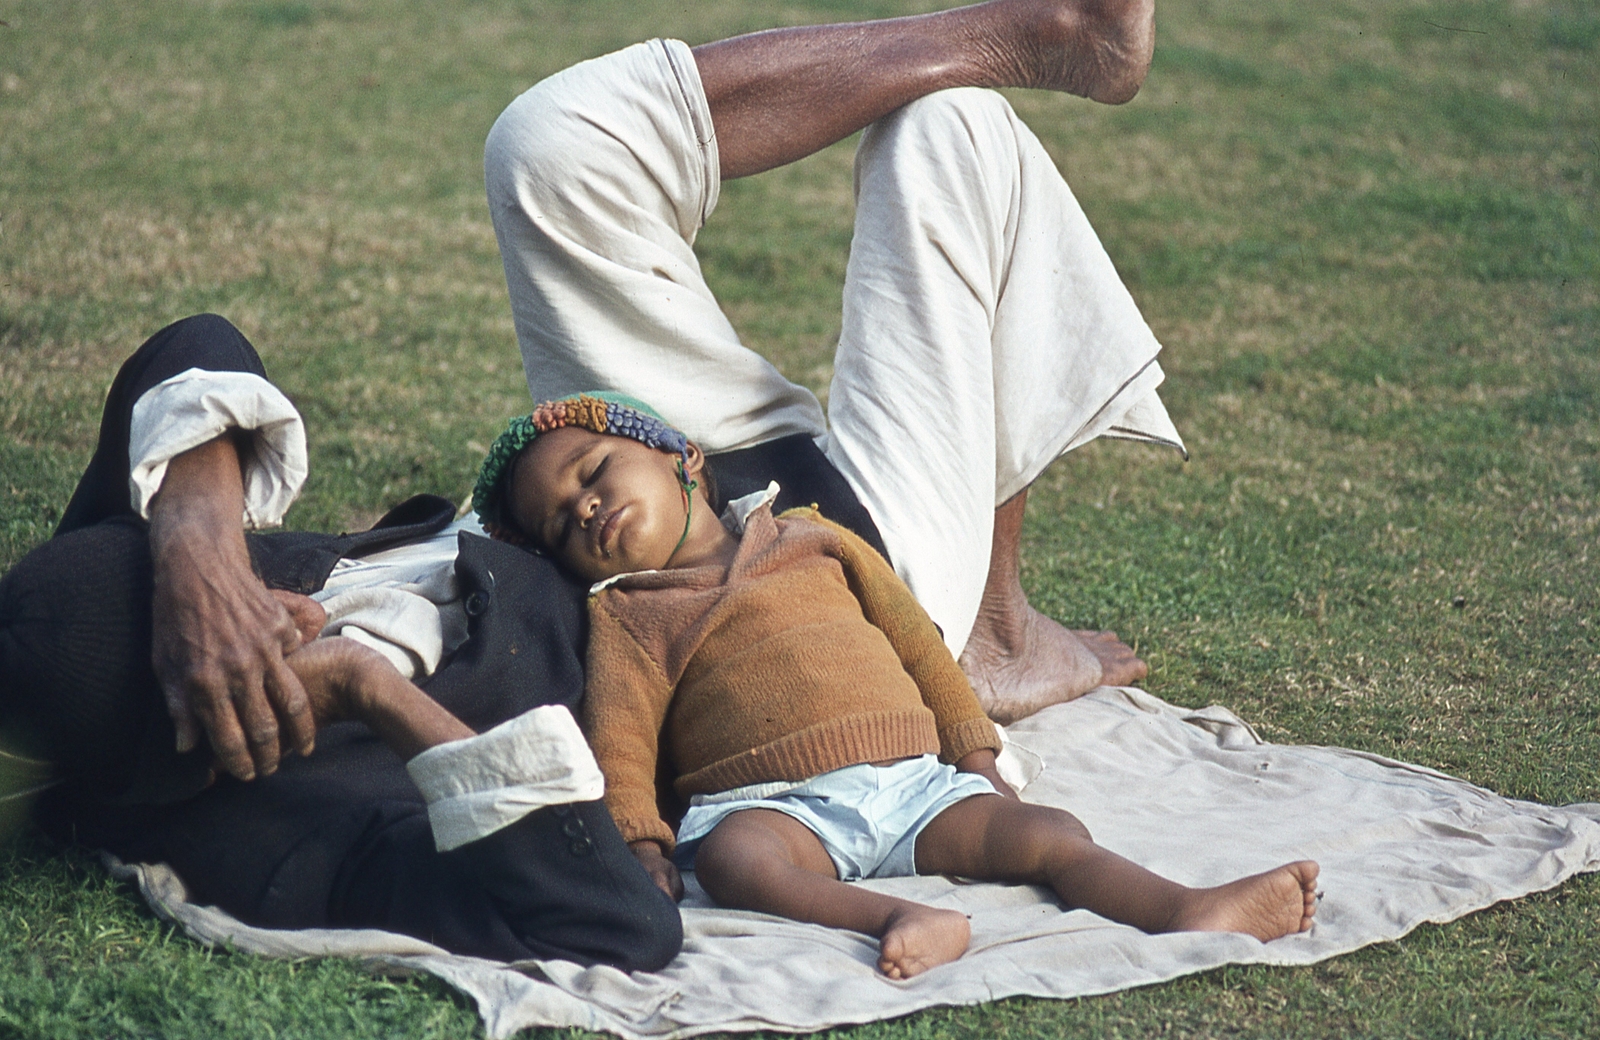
{"x":1194,"y":794}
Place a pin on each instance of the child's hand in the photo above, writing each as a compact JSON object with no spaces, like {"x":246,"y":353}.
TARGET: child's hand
{"x":982,"y":763}
{"x":659,"y":867}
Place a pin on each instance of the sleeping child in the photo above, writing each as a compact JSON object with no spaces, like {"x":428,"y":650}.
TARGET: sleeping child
{"x":776,"y":675}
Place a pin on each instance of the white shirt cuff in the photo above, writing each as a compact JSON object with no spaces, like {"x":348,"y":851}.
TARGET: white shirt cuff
{"x":477,"y":786}
{"x":197,"y":406}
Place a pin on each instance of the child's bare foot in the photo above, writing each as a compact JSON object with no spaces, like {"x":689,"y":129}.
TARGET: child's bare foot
{"x":919,"y":937}
{"x":1268,"y":905}
{"x":1098,"y":49}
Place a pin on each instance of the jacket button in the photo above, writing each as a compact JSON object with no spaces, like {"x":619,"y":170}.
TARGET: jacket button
{"x":572,"y":827}
{"x":476,"y":603}
{"x":581,"y":846}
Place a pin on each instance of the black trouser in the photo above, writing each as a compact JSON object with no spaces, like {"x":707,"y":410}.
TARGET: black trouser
{"x":340,"y":838}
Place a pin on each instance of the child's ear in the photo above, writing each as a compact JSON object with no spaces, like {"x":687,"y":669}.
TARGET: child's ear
{"x":695,"y":460}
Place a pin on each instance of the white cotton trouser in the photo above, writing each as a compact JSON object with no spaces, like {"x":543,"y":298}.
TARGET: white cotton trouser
{"x":985,"y":331}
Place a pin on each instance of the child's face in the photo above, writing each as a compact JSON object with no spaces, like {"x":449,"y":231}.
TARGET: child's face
{"x":602,"y":505}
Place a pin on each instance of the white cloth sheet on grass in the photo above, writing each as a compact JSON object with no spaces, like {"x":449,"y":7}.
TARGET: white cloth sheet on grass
{"x":1193,"y":794}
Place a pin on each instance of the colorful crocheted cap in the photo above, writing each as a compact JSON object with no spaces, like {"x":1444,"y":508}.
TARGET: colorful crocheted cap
{"x":599,"y":411}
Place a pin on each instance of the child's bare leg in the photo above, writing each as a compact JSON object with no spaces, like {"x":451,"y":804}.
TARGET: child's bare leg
{"x":760,"y":859}
{"x":999,"y":839}
{"x":782,"y":94}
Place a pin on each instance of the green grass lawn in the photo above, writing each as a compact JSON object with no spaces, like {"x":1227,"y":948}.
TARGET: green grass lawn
{"x":1366,"y":232}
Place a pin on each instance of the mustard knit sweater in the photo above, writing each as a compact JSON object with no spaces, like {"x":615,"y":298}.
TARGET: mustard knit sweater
{"x":808,"y":655}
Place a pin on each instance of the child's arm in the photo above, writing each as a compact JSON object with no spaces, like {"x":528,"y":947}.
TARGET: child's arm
{"x":661,"y":869}
{"x":889,"y":605}
{"x":982,"y":762}
{"x":624,"y":706}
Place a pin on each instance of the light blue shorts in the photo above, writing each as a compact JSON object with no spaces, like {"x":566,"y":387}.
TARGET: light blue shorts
{"x":867,"y":817}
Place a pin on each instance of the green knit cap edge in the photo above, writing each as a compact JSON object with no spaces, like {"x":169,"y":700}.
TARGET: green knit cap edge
{"x":599,"y":411}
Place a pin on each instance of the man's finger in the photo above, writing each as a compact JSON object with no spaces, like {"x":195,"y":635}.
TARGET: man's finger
{"x":182,"y":717}
{"x":260,"y":724}
{"x":227,"y":739}
{"x":297,"y":722}
{"x":286,"y":629}
{"x":305,"y":614}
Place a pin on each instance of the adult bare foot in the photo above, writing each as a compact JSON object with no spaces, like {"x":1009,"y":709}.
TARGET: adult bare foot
{"x":1268,"y":905}
{"x":1024,"y":662}
{"x":1098,"y":49}
{"x":778,"y":95}
{"x":919,"y":937}
{"x":1018,"y":660}
{"x":1119,"y":665}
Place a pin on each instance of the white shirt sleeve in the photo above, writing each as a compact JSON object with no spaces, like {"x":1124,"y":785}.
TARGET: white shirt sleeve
{"x":402,"y":601}
{"x":196,"y":406}
{"x":400,"y":625}
{"x":476,"y":786}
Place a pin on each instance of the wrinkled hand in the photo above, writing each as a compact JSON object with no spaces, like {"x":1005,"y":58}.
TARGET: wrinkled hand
{"x":659,"y":867}
{"x":983,"y":763}
{"x":219,"y":635}
{"x":305,"y":613}
{"x":338,"y":675}
{"x":346,"y":681}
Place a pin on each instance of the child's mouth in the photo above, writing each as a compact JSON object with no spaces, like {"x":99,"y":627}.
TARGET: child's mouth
{"x":605,"y":537}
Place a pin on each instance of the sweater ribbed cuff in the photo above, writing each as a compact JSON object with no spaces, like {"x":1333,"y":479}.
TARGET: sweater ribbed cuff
{"x":962,"y":738}
{"x":641,"y":828}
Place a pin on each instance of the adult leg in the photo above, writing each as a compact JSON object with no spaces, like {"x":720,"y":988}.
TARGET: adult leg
{"x":998,"y":839}
{"x":600,"y":176}
{"x":599,"y":179}
{"x":764,"y":860}
{"x":985,"y":332}
{"x":779,"y":95}
{"x":1018,"y":659}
